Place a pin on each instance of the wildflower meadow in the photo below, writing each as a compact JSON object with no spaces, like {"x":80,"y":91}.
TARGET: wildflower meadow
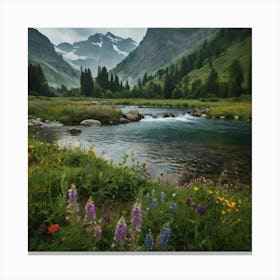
{"x":80,"y":202}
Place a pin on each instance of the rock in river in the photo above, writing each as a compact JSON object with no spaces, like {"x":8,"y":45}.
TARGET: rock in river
{"x":124,"y":120}
{"x":74,"y":131}
{"x":90,"y":122}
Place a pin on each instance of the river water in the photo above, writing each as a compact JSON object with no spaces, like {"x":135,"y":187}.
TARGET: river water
{"x":175,"y":149}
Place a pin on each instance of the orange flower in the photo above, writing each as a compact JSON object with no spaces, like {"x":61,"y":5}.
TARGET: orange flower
{"x":53,"y":228}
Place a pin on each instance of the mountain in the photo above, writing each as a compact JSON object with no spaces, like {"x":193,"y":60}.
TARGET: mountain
{"x":57,"y":71}
{"x":158,"y":47}
{"x":98,"y":50}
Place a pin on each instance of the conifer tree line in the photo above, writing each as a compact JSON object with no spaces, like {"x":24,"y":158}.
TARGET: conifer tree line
{"x":172,"y":82}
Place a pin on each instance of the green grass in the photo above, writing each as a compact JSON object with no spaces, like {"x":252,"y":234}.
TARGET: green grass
{"x":225,"y":224}
{"x":69,"y":112}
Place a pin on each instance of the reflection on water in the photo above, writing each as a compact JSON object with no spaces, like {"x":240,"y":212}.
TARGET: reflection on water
{"x":175,"y":149}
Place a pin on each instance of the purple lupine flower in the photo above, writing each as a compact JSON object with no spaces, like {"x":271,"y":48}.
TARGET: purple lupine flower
{"x":201,"y":210}
{"x":174,"y":206}
{"x":97,"y":232}
{"x":72,"y":206}
{"x":188,"y":201}
{"x":148,"y":197}
{"x":162,"y":196}
{"x":72,"y":194}
{"x":164,"y":237}
{"x":89,"y":212}
{"x":149,"y":241}
{"x":120,"y":232}
{"x":154,"y":204}
{"x":136,"y":217}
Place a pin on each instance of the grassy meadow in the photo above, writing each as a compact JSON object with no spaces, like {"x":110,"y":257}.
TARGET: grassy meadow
{"x":80,"y":202}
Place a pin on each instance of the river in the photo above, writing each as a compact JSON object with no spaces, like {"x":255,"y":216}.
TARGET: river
{"x":175,"y":149}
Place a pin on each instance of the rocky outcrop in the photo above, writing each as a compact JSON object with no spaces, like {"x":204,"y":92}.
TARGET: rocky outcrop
{"x":91,"y":122}
{"x":37,"y":122}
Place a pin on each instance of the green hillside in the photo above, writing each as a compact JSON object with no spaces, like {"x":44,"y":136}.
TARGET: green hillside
{"x":240,"y":51}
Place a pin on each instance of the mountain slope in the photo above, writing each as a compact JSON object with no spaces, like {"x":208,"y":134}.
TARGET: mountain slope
{"x":56,"y":70}
{"x":159,"y":46}
{"x":98,"y":50}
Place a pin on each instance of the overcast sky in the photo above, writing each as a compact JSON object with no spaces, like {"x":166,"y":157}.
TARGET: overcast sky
{"x":60,"y":35}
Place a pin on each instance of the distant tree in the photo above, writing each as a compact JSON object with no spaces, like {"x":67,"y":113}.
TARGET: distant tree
{"x":168,"y":86}
{"x":145,"y":79}
{"x":86,"y":83}
{"x":235,"y":79}
{"x":212,"y":84}
{"x":249,"y":78}
{"x":37,"y":83}
{"x":127,"y":86}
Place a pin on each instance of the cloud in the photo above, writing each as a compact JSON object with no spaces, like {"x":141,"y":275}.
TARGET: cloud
{"x":59,"y":35}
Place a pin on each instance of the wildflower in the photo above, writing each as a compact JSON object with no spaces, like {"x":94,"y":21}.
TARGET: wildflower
{"x":97,"y":232}
{"x":174,"y":194}
{"x":188,"y":201}
{"x":72,"y":194}
{"x":223,"y":212}
{"x":90,"y":211}
{"x":53,"y":228}
{"x":72,"y":206}
{"x":201,"y":210}
{"x":239,"y":201}
{"x":59,"y":160}
{"x":136,"y":217}
{"x":120,"y":232}
{"x":174,"y":206}
{"x":164,"y":237}
{"x":31,"y":146}
{"x":149,"y":241}
{"x":195,"y":188}
{"x":154,"y":204}
{"x":210,"y":191}
{"x":238,"y":220}
{"x":162,"y":196}
{"x":232,"y":204}
{"x":148,"y":197}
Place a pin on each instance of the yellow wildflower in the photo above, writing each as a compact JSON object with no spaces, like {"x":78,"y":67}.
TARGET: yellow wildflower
{"x":210,"y":191}
{"x":238,"y":219}
{"x":59,"y":159}
{"x":223,"y":212}
{"x":233,"y":204}
{"x":195,"y":188}
{"x":31,"y":146}
{"x":239,"y":201}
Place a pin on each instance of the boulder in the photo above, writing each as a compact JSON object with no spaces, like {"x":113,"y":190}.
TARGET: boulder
{"x":74,"y":131}
{"x":167,"y":115}
{"x":236,"y":118}
{"x":90,"y":122}
{"x":124,"y":120}
{"x":204,"y":116}
{"x":133,"y":117}
{"x":222,"y":117}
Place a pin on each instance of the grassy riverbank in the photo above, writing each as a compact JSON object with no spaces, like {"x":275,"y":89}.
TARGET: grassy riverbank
{"x":200,"y":217}
{"x":73,"y":110}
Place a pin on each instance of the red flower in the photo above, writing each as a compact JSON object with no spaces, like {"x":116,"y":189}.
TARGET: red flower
{"x":53,"y":228}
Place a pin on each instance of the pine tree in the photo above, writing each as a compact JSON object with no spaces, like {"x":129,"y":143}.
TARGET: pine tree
{"x":235,"y":79}
{"x":212,"y":84}
{"x":127,"y":86}
{"x":168,"y":87}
